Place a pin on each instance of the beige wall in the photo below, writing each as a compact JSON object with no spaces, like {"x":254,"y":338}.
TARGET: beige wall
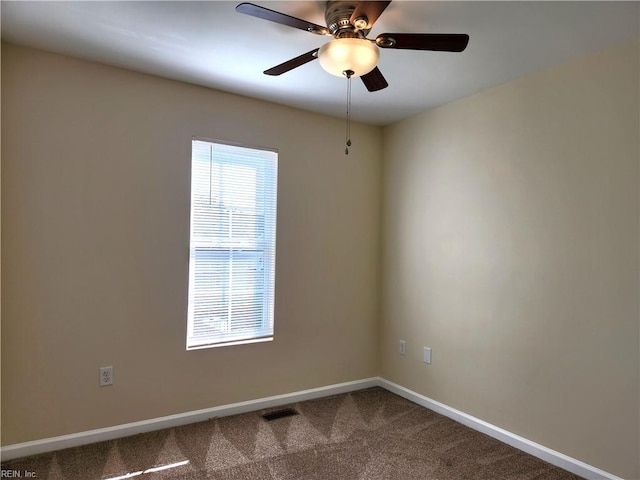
{"x":95,"y":233}
{"x":511,"y":248}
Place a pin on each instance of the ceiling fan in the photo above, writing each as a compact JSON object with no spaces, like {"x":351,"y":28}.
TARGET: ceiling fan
{"x":351,"y":53}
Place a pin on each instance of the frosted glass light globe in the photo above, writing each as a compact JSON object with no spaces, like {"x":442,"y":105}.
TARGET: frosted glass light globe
{"x":356,"y":54}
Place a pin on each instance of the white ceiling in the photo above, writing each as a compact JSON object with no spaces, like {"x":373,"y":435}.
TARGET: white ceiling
{"x":208,"y":43}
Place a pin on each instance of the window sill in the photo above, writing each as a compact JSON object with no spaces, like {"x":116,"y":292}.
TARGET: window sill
{"x":229,"y":344}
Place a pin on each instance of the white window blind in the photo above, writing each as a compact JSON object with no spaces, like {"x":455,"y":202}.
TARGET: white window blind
{"x":232,"y":246}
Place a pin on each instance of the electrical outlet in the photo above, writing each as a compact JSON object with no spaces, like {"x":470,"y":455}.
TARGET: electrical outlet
{"x":403,"y":347}
{"x":106,"y":376}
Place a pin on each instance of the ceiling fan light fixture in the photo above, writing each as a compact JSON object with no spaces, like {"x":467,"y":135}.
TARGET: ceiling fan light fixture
{"x":342,"y":54}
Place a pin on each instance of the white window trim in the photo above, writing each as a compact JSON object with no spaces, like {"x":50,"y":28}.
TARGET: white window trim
{"x":266,"y":245}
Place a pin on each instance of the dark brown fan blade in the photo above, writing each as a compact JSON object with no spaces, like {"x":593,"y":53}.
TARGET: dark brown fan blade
{"x":293,"y":63}
{"x":281,"y":18}
{"x":441,"y":42}
{"x":374,"y":80}
{"x":370,"y":10}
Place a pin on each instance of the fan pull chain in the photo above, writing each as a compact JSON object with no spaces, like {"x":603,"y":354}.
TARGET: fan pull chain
{"x":348,"y":74}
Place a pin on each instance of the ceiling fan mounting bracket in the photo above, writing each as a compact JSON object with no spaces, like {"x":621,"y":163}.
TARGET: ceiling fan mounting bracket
{"x":318,"y":30}
{"x":385,"y":42}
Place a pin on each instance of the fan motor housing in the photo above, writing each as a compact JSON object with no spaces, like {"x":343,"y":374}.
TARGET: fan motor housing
{"x":338,"y":15}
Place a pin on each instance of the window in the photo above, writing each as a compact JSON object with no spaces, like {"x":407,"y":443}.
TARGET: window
{"x":232,"y":246}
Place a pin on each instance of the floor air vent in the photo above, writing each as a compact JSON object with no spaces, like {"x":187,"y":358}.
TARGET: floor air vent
{"x":285,"y":412}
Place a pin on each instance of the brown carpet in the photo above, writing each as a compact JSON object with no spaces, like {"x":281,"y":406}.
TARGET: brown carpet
{"x":365,"y":435}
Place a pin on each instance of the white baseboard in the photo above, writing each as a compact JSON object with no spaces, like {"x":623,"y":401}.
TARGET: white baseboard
{"x":92,"y":436}
{"x":548,"y":455}
{"x":83,"y":438}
